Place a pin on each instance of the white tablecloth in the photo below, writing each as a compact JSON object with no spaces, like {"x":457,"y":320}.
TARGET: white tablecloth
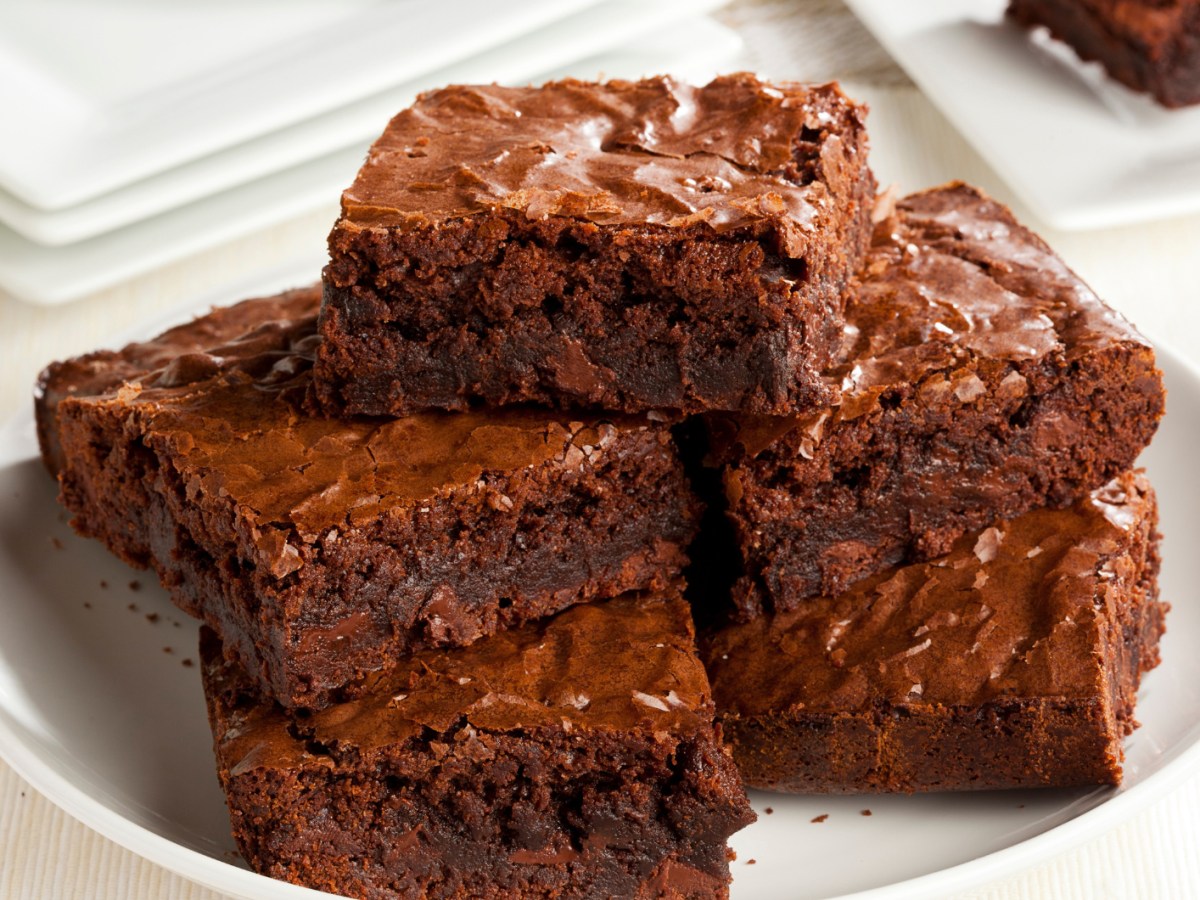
{"x":1148,"y":271}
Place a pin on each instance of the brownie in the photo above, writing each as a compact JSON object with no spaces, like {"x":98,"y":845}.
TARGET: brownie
{"x":979,"y":378}
{"x":1152,"y":46}
{"x":1013,"y":661}
{"x":322,"y":549}
{"x":574,"y":757}
{"x":627,"y":245}
{"x":95,"y":373}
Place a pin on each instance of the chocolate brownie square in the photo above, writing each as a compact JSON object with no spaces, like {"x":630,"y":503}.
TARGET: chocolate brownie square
{"x":628,"y":246}
{"x":980,"y":378}
{"x":575,"y":757}
{"x":1013,"y":661}
{"x":1149,"y":45}
{"x":323,"y":549}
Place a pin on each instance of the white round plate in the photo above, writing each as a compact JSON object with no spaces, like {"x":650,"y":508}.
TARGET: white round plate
{"x":101,"y":710}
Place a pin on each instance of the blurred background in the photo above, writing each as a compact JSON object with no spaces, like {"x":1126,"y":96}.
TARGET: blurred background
{"x":163,"y":156}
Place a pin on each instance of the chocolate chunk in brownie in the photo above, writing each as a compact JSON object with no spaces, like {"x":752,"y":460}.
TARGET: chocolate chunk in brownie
{"x":322,"y":549}
{"x":980,"y":378}
{"x":95,"y":373}
{"x":628,"y":246}
{"x":1149,"y":45}
{"x":1013,"y":661}
{"x":575,"y":757}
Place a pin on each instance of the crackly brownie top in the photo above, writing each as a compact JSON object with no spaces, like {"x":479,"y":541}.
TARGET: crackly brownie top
{"x":96,"y":373}
{"x":232,"y":419}
{"x":952,"y":282}
{"x":659,"y":152}
{"x":624,"y":665}
{"x":1011,"y":611}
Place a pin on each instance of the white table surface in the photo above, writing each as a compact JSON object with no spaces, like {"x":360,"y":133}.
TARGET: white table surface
{"x":1150,"y":272}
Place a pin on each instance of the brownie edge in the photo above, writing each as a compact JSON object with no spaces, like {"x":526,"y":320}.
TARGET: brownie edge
{"x":101,"y":371}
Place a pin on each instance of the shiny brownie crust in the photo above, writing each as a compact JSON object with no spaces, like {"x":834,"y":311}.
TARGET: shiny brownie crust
{"x":627,"y":246}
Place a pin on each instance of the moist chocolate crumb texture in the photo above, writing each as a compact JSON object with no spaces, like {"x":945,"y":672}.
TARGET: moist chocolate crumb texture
{"x":980,"y":378}
{"x":1149,"y":45}
{"x":1013,"y":661}
{"x":573,"y":757}
{"x":628,"y":246}
{"x":323,"y":549}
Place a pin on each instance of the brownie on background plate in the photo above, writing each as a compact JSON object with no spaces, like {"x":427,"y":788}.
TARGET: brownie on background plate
{"x":1152,"y":46}
{"x":626,"y":245}
{"x":1011,"y":662}
{"x":979,"y":378}
{"x":573,"y":757}
{"x":322,"y":549}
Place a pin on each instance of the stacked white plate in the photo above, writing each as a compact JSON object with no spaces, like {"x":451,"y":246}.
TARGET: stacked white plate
{"x":138,"y":134}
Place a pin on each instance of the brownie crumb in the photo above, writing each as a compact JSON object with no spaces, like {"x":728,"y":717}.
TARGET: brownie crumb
{"x":751,"y":862}
{"x":866,"y":812}
{"x":103,"y":584}
{"x":152,"y":618}
{"x":87,"y":604}
{"x":176,"y":624}
{"x":133,"y":607}
{"x":135,"y":585}
{"x":817,"y":820}
{"x":768,"y":810}
{"x":168,"y":649}
{"x":1020,"y":806}
{"x":58,"y":545}
{"x":187,"y":663}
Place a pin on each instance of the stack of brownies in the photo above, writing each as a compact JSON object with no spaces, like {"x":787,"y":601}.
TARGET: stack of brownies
{"x":436,"y":517}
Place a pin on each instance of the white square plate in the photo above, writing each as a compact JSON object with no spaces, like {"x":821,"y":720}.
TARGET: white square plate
{"x":97,"y":95}
{"x":692,"y":48}
{"x":602,"y":25}
{"x":1079,"y":149}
